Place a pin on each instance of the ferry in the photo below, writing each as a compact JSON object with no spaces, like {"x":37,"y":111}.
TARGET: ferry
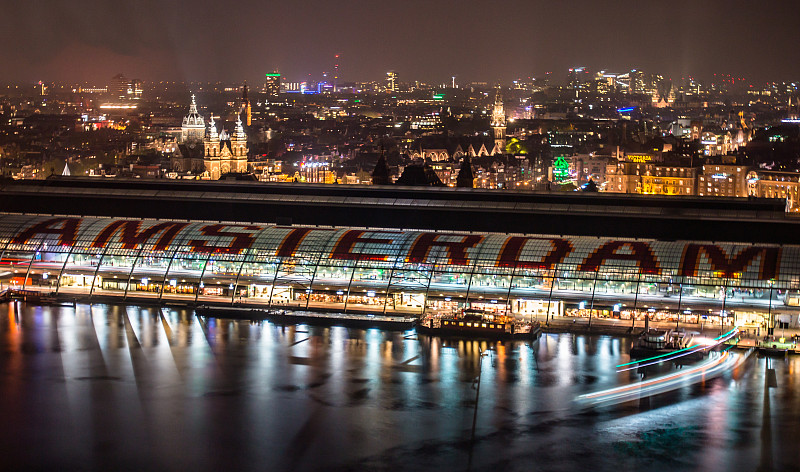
{"x":478,"y":324}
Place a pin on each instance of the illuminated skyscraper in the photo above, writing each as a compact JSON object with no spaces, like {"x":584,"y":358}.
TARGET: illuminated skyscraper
{"x":135,"y":89}
{"x":336,"y":73}
{"x":272,"y":84}
{"x":391,"y":81}
{"x":119,"y":87}
{"x":577,"y":78}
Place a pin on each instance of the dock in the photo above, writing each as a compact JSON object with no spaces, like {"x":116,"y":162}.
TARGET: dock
{"x":288,"y":317}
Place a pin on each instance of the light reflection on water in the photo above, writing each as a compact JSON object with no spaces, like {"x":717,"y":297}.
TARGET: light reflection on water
{"x":118,"y":388}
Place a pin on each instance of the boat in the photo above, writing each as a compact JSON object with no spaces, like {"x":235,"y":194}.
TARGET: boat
{"x":478,"y":324}
{"x":35,"y":297}
{"x":288,"y":317}
{"x":655,"y":342}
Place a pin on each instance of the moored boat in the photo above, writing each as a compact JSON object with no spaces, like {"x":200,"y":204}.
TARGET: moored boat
{"x":476,"y":324}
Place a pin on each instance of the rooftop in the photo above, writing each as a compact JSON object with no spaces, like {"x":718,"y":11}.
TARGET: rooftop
{"x":459,"y":209}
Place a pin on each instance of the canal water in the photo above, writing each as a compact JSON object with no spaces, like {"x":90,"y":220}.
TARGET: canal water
{"x":129,"y":388}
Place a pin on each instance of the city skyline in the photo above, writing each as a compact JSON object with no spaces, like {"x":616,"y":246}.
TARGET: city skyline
{"x":92,"y":40}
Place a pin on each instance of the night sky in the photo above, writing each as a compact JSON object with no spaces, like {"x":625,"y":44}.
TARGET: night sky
{"x":429,"y":40}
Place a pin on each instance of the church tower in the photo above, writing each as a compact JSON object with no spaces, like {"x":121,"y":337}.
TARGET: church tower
{"x":211,"y":141}
{"x":465,"y":177}
{"x":246,"y":108}
{"x":211,"y":151}
{"x":499,"y":123}
{"x":239,"y":143}
{"x":380,"y":174}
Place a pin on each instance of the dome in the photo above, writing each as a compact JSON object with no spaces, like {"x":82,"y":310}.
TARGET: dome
{"x":193,"y":127}
{"x":193,"y":119}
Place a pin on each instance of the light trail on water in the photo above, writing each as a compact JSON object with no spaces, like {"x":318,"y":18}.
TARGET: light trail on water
{"x":708,"y":369}
{"x":679,"y":353}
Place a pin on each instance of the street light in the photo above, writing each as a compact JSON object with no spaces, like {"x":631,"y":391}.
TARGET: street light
{"x":770,"y":325}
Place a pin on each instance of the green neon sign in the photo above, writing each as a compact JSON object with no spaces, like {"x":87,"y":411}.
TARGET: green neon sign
{"x":560,"y":170}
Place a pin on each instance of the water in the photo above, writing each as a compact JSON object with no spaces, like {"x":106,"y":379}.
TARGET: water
{"x":125,"y":388}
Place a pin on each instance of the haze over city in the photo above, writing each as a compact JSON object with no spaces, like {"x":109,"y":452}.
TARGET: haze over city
{"x":90,"y":40}
{"x":432,"y":235}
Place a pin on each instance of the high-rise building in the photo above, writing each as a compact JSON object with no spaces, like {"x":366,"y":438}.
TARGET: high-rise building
{"x":118,"y":89}
{"x":391,"y":81}
{"x":135,"y":89}
{"x":336,"y":73}
{"x":123,"y":88}
{"x":577,"y":78}
{"x":272,"y":84}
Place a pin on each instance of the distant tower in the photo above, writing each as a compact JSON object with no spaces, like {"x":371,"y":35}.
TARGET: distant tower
{"x":335,"y":73}
{"x":118,"y":89}
{"x":193,"y":127}
{"x":211,"y":141}
{"x":239,"y":140}
{"x":391,"y":81}
{"x":246,"y":109}
{"x":272,"y":84}
{"x":499,"y":122}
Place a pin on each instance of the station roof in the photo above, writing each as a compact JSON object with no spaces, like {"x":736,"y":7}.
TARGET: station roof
{"x":22,"y":235}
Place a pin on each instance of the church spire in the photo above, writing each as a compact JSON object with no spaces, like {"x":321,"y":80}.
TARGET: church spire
{"x":380,"y":174}
{"x":212,"y":129}
{"x":193,"y":107}
{"x":499,"y":123}
{"x":238,"y":133}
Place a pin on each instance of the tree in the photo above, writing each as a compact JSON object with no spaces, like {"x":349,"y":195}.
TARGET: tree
{"x":516,"y":147}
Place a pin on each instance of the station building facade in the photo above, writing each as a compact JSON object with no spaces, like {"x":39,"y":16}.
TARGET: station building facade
{"x":399,"y":271}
